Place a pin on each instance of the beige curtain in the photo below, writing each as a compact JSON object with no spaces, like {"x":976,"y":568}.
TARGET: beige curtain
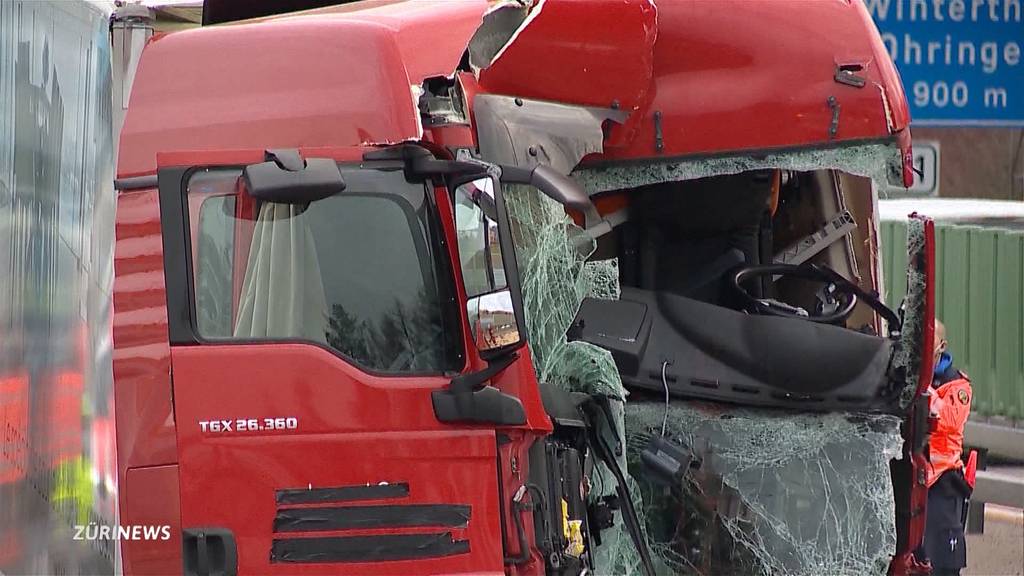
{"x":283,"y":292}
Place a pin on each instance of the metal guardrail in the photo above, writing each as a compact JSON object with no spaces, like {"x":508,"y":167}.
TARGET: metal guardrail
{"x":999,"y":487}
{"x":1002,"y":441}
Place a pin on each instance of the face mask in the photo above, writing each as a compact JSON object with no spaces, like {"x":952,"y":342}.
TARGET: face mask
{"x":945,"y":361}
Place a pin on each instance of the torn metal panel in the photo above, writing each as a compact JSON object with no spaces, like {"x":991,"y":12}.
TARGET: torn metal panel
{"x":876,"y":160}
{"x":417,"y":93}
{"x":499,"y":27}
{"x":441,"y":102}
{"x":585,"y":53}
{"x":664,"y":62}
{"x":768,"y":492}
{"x":529,"y":132}
{"x":889,"y":122}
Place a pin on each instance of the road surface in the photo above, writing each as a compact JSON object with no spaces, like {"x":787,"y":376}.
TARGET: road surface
{"x":1000,"y":550}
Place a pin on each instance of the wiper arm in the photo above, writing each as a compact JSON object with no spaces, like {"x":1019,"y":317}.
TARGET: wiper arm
{"x":598,"y":418}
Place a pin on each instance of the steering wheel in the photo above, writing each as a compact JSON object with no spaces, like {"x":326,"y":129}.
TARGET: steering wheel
{"x":835,"y":300}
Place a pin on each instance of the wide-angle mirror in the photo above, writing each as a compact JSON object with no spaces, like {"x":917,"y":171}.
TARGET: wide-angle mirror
{"x":492,"y":320}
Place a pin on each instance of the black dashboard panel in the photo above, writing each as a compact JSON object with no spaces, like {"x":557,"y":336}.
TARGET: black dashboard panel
{"x":716,"y":353}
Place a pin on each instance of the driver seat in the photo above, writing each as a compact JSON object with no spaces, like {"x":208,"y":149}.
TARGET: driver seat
{"x":691,"y":233}
{"x":720,"y":354}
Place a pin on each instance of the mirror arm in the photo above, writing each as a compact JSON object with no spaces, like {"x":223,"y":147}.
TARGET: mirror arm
{"x":433,"y":167}
{"x":469,"y":383}
{"x":468,"y":399}
{"x":420,"y":163}
{"x":516,"y":175}
{"x":560,"y":188}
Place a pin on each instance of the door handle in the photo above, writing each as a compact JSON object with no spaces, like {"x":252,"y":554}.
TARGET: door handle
{"x":209,"y":552}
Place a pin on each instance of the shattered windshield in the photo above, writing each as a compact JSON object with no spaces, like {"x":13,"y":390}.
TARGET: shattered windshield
{"x":766,"y":491}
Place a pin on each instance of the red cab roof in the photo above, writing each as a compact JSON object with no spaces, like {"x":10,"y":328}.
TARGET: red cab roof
{"x":696,"y":77}
{"x":723,"y":76}
{"x":338,"y":76}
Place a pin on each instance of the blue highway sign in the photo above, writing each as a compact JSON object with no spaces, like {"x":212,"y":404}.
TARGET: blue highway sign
{"x":960,"y":60}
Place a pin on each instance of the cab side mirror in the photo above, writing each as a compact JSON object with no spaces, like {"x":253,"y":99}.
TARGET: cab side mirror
{"x":486,"y":255}
{"x":492,"y":319}
{"x":287,"y":177}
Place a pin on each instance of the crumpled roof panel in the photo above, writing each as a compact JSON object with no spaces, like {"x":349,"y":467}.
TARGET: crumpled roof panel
{"x":704,"y":77}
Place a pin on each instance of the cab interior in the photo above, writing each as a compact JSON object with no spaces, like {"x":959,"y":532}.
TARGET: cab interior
{"x":703,"y":313}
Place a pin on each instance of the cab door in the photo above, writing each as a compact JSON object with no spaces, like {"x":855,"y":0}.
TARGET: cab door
{"x":306,"y":340}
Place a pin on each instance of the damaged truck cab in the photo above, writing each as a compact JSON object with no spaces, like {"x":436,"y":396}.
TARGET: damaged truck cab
{"x":320,"y":359}
{"x":775,"y":422}
{"x":357,"y":332}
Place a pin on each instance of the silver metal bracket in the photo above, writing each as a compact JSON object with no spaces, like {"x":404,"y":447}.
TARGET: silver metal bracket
{"x":834,"y":230}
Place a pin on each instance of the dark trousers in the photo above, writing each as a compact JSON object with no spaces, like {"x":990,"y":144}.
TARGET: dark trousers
{"x":945,"y":545}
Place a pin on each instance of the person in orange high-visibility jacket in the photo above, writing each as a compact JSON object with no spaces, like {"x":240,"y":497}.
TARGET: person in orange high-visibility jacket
{"x":944,"y":543}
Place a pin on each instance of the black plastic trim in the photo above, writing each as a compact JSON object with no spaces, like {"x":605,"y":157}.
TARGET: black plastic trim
{"x":467,"y":399}
{"x":365,"y":517}
{"x":209,"y":552}
{"x":487,"y":405}
{"x":516,"y":175}
{"x":177,"y":272}
{"x":511,"y":261}
{"x":342,"y":493}
{"x":280,"y":180}
{"x":562,"y":406}
{"x":377,"y":548}
{"x":703,"y":363}
{"x":136,"y":182}
{"x":420,"y":163}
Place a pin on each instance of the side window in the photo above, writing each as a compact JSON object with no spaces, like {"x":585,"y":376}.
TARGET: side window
{"x":355,"y":272}
{"x":214,"y":254}
{"x":479,"y":250}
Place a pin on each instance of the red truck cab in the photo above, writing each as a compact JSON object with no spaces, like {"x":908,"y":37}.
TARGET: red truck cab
{"x":223,"y":429}
{"x":319,"y":330}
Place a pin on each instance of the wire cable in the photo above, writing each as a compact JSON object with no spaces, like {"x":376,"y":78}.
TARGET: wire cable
{"x":664,"y":382}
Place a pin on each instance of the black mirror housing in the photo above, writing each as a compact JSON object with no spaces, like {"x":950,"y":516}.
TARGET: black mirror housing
{"x":286,"y":178}
{"x":469,"y":399}
{"x":557,"y":186}
{"x":562,"y":189}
